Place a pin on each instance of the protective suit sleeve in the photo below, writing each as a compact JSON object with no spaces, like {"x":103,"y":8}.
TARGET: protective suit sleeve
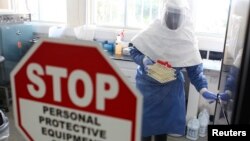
{"x":196,"y":76}
{"x":137,"y":56}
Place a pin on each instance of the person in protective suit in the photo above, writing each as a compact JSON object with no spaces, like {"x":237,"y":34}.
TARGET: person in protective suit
{"x":169,"y":39}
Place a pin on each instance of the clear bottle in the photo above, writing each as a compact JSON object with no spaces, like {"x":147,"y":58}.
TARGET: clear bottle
{"x":118,"y":45}
{"x":193,"y":129}
{"x":204,"y":121}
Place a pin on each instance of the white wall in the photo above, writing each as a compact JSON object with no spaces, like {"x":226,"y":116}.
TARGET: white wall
{"x":210,"y":43}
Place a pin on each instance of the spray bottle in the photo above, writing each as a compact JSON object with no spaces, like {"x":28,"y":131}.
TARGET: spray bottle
{"x":118,"y":46}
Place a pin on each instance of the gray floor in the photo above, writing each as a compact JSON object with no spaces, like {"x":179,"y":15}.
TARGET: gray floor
{"x":16,"y":136}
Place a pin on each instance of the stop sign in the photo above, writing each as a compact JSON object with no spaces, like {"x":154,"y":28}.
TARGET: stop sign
{"x":70,"y":90}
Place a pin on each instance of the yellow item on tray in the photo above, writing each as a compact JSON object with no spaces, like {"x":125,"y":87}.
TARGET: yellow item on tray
{"x":161,"y":72}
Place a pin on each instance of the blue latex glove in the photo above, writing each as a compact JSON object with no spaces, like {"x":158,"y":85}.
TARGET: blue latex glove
{"x":225,"y":96}
{"x":209,"y":96}
{"x":146,"y":62}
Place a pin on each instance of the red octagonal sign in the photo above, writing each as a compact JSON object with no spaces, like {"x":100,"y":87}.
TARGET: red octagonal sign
{"x":70,"y":90}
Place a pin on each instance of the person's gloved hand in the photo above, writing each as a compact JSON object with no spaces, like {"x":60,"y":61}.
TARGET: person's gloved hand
{"x":225,"y":96}
{"x":209,"y":96}
{"x":146,"y":62}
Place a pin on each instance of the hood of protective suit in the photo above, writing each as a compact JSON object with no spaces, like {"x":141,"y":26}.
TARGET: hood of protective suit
{"x":177,"y":46}
{"x":173,"y":13}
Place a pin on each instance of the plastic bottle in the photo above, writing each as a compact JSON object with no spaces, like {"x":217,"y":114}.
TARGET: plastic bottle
{"x":118,"y":46}
{"x":193,"y":129}
{"x":204,"y":120}
{"x":204,"y":112}
{"x":122,"y":35}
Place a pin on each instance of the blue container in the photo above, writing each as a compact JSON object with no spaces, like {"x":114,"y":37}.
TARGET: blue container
{"x":109,"y":47}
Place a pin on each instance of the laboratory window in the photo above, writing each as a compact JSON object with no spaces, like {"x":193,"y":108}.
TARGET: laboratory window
{"x":49,"y":11}
{"x":210,"y":15}
{"x":125,"y":13}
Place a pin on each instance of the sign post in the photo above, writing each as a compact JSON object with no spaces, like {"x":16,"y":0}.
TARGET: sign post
{"x":70,"y":90}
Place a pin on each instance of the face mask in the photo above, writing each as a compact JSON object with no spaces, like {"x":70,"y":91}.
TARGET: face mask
{"x":173,"y":18}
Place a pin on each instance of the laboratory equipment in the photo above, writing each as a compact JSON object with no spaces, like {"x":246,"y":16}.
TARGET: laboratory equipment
{"x":15,"y":41}
{"x":15,"y":36}
{"x":161,"y":71}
